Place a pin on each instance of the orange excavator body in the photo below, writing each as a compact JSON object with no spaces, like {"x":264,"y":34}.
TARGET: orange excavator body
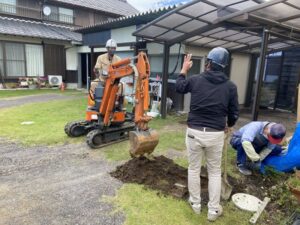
{"x":142,"y":139}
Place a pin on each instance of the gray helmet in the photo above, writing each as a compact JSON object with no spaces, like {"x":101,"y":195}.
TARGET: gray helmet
{"x":219,"y":56}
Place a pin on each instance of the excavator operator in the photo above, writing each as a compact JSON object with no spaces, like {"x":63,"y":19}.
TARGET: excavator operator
{"x":102,"y":66}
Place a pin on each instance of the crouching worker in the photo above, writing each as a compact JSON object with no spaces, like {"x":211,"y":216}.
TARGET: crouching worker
{"x":254,"y":142}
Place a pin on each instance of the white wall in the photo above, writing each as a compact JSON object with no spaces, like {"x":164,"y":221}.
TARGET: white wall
{"x":197,"y":51}
{"x":83,"y":49}
{"x":240,"y":66}
{"x":123,"y":35}
{"x":158,"y":49}
{"x":20,"y":39}
{"x":86,"y":49}
{"x":72,"y":58}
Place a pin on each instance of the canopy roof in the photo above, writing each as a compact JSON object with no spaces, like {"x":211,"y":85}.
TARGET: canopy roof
{"x":234,"y":24}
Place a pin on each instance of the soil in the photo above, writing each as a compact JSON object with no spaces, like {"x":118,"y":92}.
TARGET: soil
{"x":160,"y":174}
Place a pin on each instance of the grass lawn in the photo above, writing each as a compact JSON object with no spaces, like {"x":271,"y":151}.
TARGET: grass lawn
{"x":168,"y":139}
{"x":49,"y":120}
{"x":25,"y":92}
{"x":144,"y":207}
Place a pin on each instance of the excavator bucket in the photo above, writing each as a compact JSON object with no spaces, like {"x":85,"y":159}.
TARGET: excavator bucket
{"x":142,"y":142}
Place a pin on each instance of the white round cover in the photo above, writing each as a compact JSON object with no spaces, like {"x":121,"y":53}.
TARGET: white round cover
{"x":246,"y":202}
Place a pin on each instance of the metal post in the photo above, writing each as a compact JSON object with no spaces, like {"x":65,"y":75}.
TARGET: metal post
{"x":261,"y":71}
{"x":87,"y":72}
{"x":279,"y":81}
{"x":92,"y":63}
{"x":163,"y":107}
{"x":79,"y":71}
{"x":251,"y":78}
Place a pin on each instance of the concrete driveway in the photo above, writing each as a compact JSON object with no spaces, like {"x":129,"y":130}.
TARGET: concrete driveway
{"x":16,"y":101}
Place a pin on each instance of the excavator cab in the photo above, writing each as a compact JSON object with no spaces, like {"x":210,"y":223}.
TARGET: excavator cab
{"x":106,"y":122}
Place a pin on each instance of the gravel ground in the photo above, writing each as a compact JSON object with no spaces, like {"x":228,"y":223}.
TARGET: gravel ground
{"x":16,"y":101}
{"x":55,"y":185}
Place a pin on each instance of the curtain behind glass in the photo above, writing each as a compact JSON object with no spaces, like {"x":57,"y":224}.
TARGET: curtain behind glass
{"x":8,"y":6}
{"x":1,"y":60}
{"x":34,"y":60}
{"x":65,"y":15}
{"x":15,"y":59}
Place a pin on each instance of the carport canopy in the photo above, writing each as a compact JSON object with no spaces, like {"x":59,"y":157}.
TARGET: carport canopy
{"x":251,"y":26}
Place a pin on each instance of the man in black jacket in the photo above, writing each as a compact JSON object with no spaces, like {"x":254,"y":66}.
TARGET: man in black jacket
{"x":213,"y":109}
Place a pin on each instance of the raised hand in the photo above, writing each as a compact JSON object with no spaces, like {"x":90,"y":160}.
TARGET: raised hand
{"x":187,"y":64}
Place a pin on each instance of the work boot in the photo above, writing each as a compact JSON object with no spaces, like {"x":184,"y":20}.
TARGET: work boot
{"x":195,"y":207}
{"x":213,"y":215}
{"x":244,"y":170}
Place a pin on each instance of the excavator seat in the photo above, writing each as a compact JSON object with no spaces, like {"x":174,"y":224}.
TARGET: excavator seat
{"x":99,"y":90}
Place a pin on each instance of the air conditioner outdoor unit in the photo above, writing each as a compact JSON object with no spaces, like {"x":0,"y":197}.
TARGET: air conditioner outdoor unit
{"x":55,"y":80}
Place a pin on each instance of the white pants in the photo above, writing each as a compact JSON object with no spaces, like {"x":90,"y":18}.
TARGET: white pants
{"x":210,"y":145}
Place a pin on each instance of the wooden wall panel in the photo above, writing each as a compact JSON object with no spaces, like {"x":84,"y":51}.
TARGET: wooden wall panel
{"x":55,"y":60}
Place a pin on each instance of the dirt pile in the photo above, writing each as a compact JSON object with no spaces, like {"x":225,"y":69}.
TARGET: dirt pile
{"x":160,"y":174}
{"x":165,"y":176}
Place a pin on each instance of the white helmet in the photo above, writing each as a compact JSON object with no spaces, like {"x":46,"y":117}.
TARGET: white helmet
{"x":111,"y":43}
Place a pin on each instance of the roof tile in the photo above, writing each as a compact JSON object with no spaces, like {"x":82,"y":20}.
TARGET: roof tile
{"x":27,"y":28}
{"x":120,"y":7}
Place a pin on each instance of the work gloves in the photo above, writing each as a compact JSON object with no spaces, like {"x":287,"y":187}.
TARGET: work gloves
{"x":250,"y":151}
{"x":252,"y":154}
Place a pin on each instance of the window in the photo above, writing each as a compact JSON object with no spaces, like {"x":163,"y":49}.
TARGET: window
{"x":15,"y":59}
{"x":34,"y":60}
{"x":19,"y":60}
{"x":65,"y":15}
{"x":1,"y":60}
{"x":156,"y":63}
{"x":54,"y":13}
{"x":60,"y":14}
{"x":8,"y":6}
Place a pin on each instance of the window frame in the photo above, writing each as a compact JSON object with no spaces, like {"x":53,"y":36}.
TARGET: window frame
{"x":56,"y":14}
{"x":6,"y":60}
{"x":12,"y":10}
{"x":65,"y":15}
{"x":4,"y":56}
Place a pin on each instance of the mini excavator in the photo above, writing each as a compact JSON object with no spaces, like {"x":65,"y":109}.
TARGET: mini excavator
{"x":106,"y":122}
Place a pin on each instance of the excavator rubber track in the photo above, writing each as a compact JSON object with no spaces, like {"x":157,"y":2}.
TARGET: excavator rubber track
{"x":77,"y":128}
{"x":99,"y":138}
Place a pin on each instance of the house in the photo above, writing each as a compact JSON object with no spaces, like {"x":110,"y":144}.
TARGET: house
{"x":121,"y":29}
{"x":281,"y":76}
{"x":37,"y":37}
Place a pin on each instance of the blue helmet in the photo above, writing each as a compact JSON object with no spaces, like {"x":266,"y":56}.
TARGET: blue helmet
{"x":219,"y":56}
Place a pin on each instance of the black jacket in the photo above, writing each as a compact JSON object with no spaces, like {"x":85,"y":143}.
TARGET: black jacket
{"x":213,"y":98}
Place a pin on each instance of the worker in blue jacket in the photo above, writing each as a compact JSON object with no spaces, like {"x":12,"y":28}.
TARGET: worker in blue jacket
{"x":255,"y":141}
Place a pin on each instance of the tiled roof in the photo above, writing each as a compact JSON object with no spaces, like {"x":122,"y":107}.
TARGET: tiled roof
{"x":27,"y":28}
{"x":136,"y":19}
{"x":120,"y":7}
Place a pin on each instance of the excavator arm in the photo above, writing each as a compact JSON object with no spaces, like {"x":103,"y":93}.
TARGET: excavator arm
{"x":143,"y":140}
{"x":116,"y":72}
